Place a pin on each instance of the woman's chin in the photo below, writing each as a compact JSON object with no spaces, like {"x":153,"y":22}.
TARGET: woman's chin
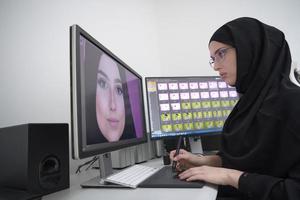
{"x":229,"y":82}
{"x":115,"y":138}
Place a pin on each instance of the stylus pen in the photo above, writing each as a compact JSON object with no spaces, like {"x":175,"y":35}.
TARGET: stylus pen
{"x":176,"y":153}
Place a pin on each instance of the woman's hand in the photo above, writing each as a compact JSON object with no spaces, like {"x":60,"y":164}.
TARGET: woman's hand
{"x":214,"y":175}
{"x":185,"y":159}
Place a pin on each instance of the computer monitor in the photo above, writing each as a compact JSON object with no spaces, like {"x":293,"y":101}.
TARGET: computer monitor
{"x":107,"y":106}
{"x":188,"y":106}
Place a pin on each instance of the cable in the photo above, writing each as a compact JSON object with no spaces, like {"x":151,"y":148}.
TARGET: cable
{"x":90,"y":163}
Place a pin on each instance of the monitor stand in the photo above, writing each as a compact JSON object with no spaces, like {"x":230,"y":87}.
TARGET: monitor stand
{"x":195,"y":145}
{"x":105,"y":169}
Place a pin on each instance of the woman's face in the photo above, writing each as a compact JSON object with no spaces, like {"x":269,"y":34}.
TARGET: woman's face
{"x":224,"y":57}
{"x":110,"y":109}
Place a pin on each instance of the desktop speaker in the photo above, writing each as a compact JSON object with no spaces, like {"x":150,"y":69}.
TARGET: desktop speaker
{"x":35,"y":158}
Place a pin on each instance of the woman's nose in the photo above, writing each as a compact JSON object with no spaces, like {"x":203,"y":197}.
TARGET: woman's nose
{"x":112,"y":102}
{"x":216,"y":66}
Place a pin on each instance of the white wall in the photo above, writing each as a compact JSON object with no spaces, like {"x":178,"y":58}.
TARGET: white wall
{"x":34,"y":50}
{"x":155,"y":37}
{"x":185,"y":27}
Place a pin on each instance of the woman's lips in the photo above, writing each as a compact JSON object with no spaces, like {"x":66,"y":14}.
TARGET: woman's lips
{"x":222,"y":75}
{"x":113,"y":122}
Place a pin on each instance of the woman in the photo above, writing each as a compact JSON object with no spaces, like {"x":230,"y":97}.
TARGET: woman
{"x":112,"y":102}
{"x":110,"y":107}
{"x":107,"y":103}
{"x":260,"y":150}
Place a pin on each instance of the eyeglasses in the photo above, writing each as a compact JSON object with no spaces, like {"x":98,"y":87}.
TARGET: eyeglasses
{"x":219,"y":56}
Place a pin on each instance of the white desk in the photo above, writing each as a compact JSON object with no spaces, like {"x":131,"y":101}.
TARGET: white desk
{"x":208,"y":192}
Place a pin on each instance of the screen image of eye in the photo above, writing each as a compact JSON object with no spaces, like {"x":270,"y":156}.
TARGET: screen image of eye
{"x":102,"y":83}
{"x":119,"y":90}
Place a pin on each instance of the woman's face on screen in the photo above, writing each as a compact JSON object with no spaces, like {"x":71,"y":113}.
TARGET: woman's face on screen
{"x":110,"y":109}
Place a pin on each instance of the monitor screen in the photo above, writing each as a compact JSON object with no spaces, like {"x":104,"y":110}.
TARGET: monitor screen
{"x":107,"y":107}
{"x":188,"y":106}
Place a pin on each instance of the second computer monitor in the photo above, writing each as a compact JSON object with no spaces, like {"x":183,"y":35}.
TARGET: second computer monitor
{"x":188,"y":106}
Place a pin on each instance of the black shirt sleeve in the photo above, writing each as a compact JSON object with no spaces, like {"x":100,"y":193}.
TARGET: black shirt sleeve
{"x":262,"y":187}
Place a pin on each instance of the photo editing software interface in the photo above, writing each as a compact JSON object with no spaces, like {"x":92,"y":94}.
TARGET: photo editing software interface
{"x":188,"y":106}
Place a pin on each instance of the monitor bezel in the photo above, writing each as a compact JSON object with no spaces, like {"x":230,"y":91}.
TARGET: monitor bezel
{"x":174,"y":136}
{"x":79,"y":149}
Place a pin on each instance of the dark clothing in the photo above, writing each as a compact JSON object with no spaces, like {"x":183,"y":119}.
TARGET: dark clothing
{"x":262,"y":134}
{"x":273,"y":173}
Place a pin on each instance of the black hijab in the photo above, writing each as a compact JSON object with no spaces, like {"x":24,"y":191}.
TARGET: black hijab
{"x":264,"y":123}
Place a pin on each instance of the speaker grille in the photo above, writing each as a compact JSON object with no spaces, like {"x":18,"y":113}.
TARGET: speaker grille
{"x":50,"y":172}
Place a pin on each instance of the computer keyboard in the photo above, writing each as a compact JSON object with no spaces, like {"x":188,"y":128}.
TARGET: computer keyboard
{"x":132,"y":176}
